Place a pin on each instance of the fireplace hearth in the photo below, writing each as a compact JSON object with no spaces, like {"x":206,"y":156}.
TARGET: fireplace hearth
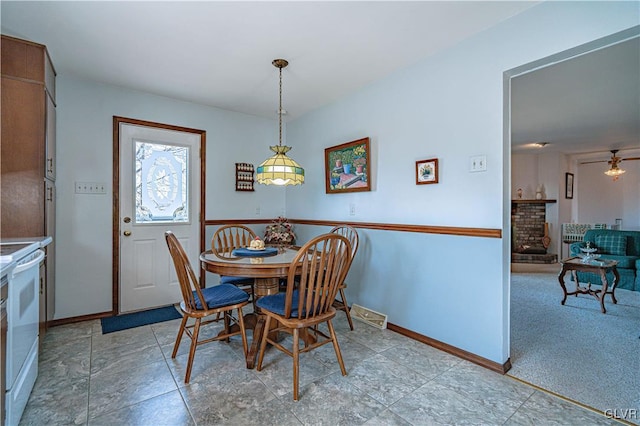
{"x":529,"y":240}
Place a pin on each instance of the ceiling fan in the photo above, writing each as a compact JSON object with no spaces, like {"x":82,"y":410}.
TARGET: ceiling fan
{"x":613,"y":171}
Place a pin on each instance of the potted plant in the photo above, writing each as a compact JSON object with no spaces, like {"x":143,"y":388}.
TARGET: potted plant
{"x":335,"y":179}
{"x":347,"y":156}
{"x":359,"y":164}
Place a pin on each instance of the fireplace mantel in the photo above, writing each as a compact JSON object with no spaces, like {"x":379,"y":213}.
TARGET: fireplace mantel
{"x":532,"y":201}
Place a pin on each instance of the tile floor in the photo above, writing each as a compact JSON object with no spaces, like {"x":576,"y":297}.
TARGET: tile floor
{"x":129,"y":378}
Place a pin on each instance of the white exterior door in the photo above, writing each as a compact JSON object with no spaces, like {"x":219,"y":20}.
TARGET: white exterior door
{"x":159,"y":191}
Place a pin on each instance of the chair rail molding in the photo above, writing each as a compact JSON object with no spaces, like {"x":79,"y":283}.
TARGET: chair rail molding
{"x":397,"y":227}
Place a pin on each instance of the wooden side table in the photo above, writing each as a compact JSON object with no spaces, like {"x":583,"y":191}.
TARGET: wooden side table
{"x":575,"y":264}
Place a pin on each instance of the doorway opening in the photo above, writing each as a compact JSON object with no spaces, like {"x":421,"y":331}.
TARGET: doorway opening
{"x":572,"y":345}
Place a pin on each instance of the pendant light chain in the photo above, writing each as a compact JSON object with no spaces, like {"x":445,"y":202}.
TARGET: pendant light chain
{"x":280,"y":109}
{"x":279,"y":169}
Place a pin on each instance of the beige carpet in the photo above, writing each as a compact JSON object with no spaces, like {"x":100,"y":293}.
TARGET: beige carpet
{"x":575,"y":350}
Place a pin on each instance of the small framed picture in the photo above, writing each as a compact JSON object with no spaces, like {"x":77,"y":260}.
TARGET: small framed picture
{"x":568,"y":192}
{"x":427,"y":171}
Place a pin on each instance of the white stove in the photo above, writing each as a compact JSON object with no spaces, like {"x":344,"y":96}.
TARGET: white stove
{"x":11,"y":252}
{"x":23,"y":311}
{"x":12,"y":249}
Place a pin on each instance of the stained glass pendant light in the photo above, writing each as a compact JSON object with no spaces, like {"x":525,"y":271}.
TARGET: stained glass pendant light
{"x":280,"y":169}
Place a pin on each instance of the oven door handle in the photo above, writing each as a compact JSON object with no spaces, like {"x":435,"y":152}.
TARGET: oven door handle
{"x":24,"y":266}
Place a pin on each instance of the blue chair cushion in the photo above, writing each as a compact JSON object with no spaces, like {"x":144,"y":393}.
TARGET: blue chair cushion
{"x":275,"y":303}
{"x":221,"y":295}
{"x":235,"y":280}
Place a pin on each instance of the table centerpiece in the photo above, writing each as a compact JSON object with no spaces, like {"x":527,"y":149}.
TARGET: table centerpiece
{"x":280,"y":233}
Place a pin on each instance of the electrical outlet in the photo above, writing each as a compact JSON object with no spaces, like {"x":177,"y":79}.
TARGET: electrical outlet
{"x":352,"y":209}
{"x":478,"y":163}
{"x":258,"y":211}
{"x":91,"y":188}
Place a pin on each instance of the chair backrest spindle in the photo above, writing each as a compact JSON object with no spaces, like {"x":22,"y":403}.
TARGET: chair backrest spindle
{"x":184,"y":271}
{"x":325,"y":261}
{"x":350,"y":234}
{"x":230,"y":237}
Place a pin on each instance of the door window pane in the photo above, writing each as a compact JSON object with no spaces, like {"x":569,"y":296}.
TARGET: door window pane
{"x":162,"y":189}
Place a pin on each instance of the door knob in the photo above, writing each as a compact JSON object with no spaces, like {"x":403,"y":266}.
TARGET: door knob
{"x":127,"y":233}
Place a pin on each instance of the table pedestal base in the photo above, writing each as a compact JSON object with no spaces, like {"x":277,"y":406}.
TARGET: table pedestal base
{"x":254,"y":321}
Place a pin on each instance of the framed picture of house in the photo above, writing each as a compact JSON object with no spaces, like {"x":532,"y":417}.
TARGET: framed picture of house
{"x":427,"y":171}
{"x":347,"y":167}
{"x":568,"y":192}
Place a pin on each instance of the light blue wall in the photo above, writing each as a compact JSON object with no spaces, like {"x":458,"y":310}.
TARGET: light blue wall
{"x":85,"y":112}
{"x":448,"y":106}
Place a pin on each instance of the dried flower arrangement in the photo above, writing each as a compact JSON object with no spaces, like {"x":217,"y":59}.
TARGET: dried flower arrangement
{"x":279,"y":232}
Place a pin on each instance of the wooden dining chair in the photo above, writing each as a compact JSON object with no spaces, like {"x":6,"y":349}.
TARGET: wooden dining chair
{"x":228,"y":238}
{"x":199,"y":303}
{"x":341,"y":301}
{"x":308,"y":301}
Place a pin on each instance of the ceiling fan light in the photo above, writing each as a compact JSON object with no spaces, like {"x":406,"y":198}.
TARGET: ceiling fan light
{"x":614,"y":171}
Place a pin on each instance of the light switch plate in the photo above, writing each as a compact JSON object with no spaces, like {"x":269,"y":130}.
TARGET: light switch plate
{"x":478,"y":163}
{"x":91,"y":188}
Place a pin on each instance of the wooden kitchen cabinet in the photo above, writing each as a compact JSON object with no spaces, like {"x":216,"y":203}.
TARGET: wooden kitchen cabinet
{"x":27,"y":181}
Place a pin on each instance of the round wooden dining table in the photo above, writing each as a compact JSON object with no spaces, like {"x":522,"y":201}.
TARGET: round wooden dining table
{"x":267,"y":272}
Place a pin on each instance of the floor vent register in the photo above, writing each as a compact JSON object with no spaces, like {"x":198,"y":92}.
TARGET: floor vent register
{"x":366,"y":315}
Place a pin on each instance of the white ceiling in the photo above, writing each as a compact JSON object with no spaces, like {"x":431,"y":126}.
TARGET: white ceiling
{"x":219,"y":54}
{"x":590,"y":103}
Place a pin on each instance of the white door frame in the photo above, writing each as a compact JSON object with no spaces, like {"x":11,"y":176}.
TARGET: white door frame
{"x":116,"y":195}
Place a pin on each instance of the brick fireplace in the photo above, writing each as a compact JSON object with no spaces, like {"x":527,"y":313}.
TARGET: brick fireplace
{"x":528,"y":219}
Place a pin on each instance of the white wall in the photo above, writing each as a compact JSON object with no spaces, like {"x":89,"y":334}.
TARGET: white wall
{"x":524,"y":175}
{"x":449,"y":106}
{"x":600,"y":199}
{"x":85,"y":112}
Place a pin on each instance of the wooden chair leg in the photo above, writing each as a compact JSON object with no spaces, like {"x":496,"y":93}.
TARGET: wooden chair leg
{"x":336,"y":347}
{"x":227,"y":323}
{"x":296,"y":361}
{"x":192,"y":350}
{"x":263,"y":342}
{"x":243,"y":332}
{"x":345,"y":307}
{"x":179,"y":338}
